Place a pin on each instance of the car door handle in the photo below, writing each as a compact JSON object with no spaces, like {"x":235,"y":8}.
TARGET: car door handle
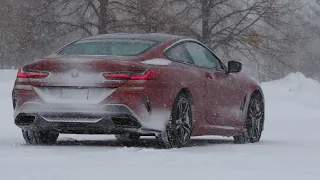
{"x":208,"y":75}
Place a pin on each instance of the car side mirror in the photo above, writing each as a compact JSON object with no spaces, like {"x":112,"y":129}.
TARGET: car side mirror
{"x":234,"y":67}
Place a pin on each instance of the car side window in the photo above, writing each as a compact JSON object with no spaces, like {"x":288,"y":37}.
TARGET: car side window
{"x":202,"y":56}
{"x":179,"y":53}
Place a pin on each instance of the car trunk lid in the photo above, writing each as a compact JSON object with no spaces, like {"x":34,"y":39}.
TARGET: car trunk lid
{"x":78,"y":80}
{"x":83,"y":71}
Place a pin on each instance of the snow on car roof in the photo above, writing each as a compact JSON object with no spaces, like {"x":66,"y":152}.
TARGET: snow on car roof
{"x":151,"y":36}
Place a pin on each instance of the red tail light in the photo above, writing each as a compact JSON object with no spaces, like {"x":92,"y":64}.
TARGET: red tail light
{"x":117,"y":76}
{"x":31,"y":74}
{"x":148,"y":75}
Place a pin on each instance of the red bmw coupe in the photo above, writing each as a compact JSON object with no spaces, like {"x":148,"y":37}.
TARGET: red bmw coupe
{"x":133,"y":85}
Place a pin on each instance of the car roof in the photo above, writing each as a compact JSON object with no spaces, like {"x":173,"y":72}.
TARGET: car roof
{"x":159,"y":37}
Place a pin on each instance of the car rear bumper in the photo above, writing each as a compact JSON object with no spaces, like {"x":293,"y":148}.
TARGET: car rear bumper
{"x":85,"y":119}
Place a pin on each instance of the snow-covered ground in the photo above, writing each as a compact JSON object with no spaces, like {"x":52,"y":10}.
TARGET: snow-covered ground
{"x":289,"y":148}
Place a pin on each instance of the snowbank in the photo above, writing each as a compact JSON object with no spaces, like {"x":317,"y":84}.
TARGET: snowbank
{"x":7,"y":75}
{"x":295,"y":88}
{"x":7,"y":78}
{"x":298,"y":84}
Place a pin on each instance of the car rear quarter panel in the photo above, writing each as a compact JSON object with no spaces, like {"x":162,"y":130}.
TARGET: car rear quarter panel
{"x":174,"y":79}
{"x":162,"y":94}
{"x":181,"y":77}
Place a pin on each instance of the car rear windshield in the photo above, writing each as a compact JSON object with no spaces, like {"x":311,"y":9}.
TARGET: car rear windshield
{"x":107,"y":48}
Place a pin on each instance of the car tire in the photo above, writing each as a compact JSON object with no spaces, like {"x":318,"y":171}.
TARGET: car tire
{"x":253,"y":126}
{"x":180,"y":125}
{"x":40,"y":138}
{"x":127,"y":137}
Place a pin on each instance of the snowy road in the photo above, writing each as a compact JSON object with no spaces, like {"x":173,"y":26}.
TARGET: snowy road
{"x":289,"y":148}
